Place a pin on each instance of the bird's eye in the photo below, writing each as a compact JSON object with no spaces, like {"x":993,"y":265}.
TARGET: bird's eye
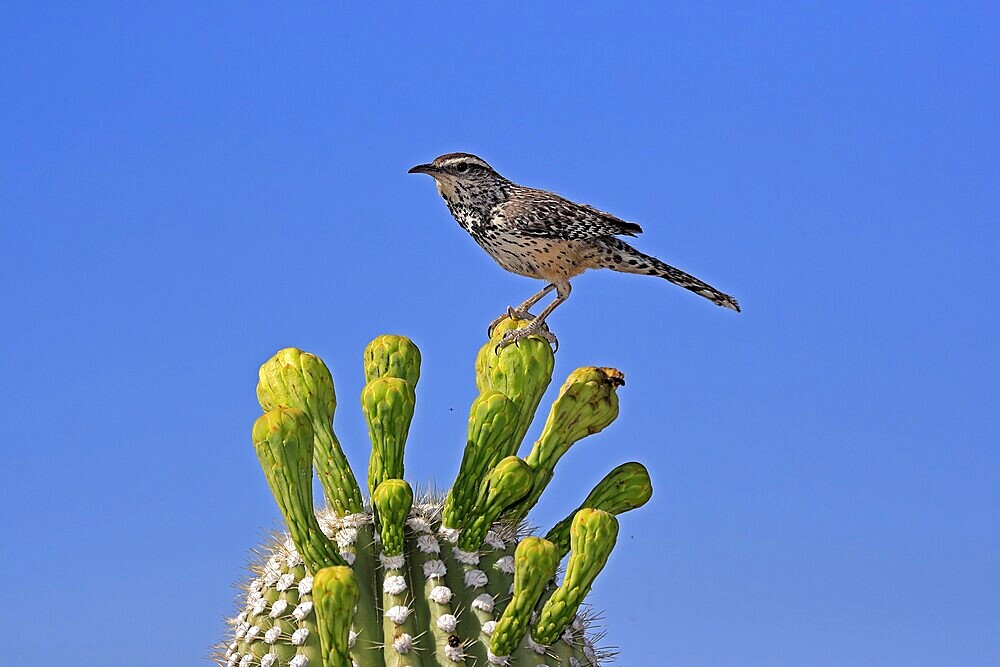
{"x":462,"y":167}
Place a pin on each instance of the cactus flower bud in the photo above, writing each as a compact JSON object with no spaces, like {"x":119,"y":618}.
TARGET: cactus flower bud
{"x":522,"y":372}
{"x":492,"y":422}
{"x":592,"y":537}
{"x":587,"y":403}
{"x":392,"y":356}
{"x":507,"y":483}
{"x":335,"y":595}
{"x":388,"y":404}
{"x":624,"y":488}
{"x":535,"y":563}
{"x":297,"y":379}
{"x":283,"y":439}
{"x":392,"y":500}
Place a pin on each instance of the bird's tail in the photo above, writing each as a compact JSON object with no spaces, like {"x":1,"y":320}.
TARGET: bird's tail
{"x":620,"y":256}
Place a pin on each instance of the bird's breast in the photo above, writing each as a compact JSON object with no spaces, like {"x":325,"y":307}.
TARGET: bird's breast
{"x":548,"y":259}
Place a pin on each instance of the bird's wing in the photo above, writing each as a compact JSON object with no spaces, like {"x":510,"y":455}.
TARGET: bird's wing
{"x":547,"y":215}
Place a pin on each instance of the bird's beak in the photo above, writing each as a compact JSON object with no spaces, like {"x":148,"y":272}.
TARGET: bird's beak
{"x":423,"y":169}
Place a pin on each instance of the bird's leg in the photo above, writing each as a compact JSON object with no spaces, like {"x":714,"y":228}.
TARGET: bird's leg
{"x":537,"y":326}
{"x":521,"y":312}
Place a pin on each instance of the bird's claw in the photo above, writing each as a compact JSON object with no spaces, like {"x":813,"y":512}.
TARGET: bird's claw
{"x":535,"y":328}
{"x":511,"y":314}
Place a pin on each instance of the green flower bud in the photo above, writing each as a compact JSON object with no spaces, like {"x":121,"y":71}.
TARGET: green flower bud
{"x":624,"y":488}
{"x":392,"y":500}
{"x":283,"y":439}
{"x":507,"y":483}
{"x":522,"y":372}
{"x":388,"y":405}
{"x":297,"y":379}
{"x":592,"y":537}
{"x":392,"y":356}
{"x":587,"y":403}
{"x":535,"y":563}
{"x":492,"y":422}
{"x":335,"y":595}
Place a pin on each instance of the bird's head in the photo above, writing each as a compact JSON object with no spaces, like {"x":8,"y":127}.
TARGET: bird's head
{"x":458,"y":173}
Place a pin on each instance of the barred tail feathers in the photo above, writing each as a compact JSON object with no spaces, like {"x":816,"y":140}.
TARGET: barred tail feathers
{"x":620,"y":256}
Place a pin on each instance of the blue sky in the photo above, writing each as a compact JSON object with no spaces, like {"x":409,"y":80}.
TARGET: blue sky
{"x":185,"y":189}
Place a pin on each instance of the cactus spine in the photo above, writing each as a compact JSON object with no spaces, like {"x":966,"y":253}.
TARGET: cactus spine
{"x":427,"y":582}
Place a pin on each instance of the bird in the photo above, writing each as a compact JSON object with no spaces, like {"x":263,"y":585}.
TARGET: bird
{"x":539,"y":234}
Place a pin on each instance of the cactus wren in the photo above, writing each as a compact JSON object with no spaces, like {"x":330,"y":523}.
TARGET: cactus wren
{"x":539,"y":234}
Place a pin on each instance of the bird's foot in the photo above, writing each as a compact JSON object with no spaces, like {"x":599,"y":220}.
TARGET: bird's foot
{"x":511,"y":314}
{"x":534,"y":328}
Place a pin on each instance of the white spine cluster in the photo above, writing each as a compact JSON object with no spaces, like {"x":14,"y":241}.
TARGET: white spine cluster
{"x":278,"y":608}
{"x":497,"y":659}
{"x":447,"y":623}
{"x":392,"y":562}
{"x":465,"y":557}
{"x":302,"y":610}
{"x":403,"y":643}
{"x":398,"y":614}
{"x":394,"y":585}
{"x":346,"y":537}
{"x":535,"y":646}
{"x":505,"y":564}
{"x":475,"y":579}
{"x":285,"y":581}
{"x":428,"y":544}
{"x":494,"y":540}
{"x":484,"y":602}
{"x":435,"y":569}
{"x":418,"y":524}
{"x":440,"y":594}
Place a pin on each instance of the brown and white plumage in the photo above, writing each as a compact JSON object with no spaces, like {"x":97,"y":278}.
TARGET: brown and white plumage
{"x":539,"y":234}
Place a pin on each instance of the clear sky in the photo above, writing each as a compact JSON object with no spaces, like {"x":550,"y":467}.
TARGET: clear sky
{"x":185,"y":189}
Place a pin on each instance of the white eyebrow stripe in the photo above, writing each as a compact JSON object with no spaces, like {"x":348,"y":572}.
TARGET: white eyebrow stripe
{"x":467,"y":160}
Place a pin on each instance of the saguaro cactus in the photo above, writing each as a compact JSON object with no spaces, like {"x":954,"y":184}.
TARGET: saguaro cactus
{"x":436,"y":581}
